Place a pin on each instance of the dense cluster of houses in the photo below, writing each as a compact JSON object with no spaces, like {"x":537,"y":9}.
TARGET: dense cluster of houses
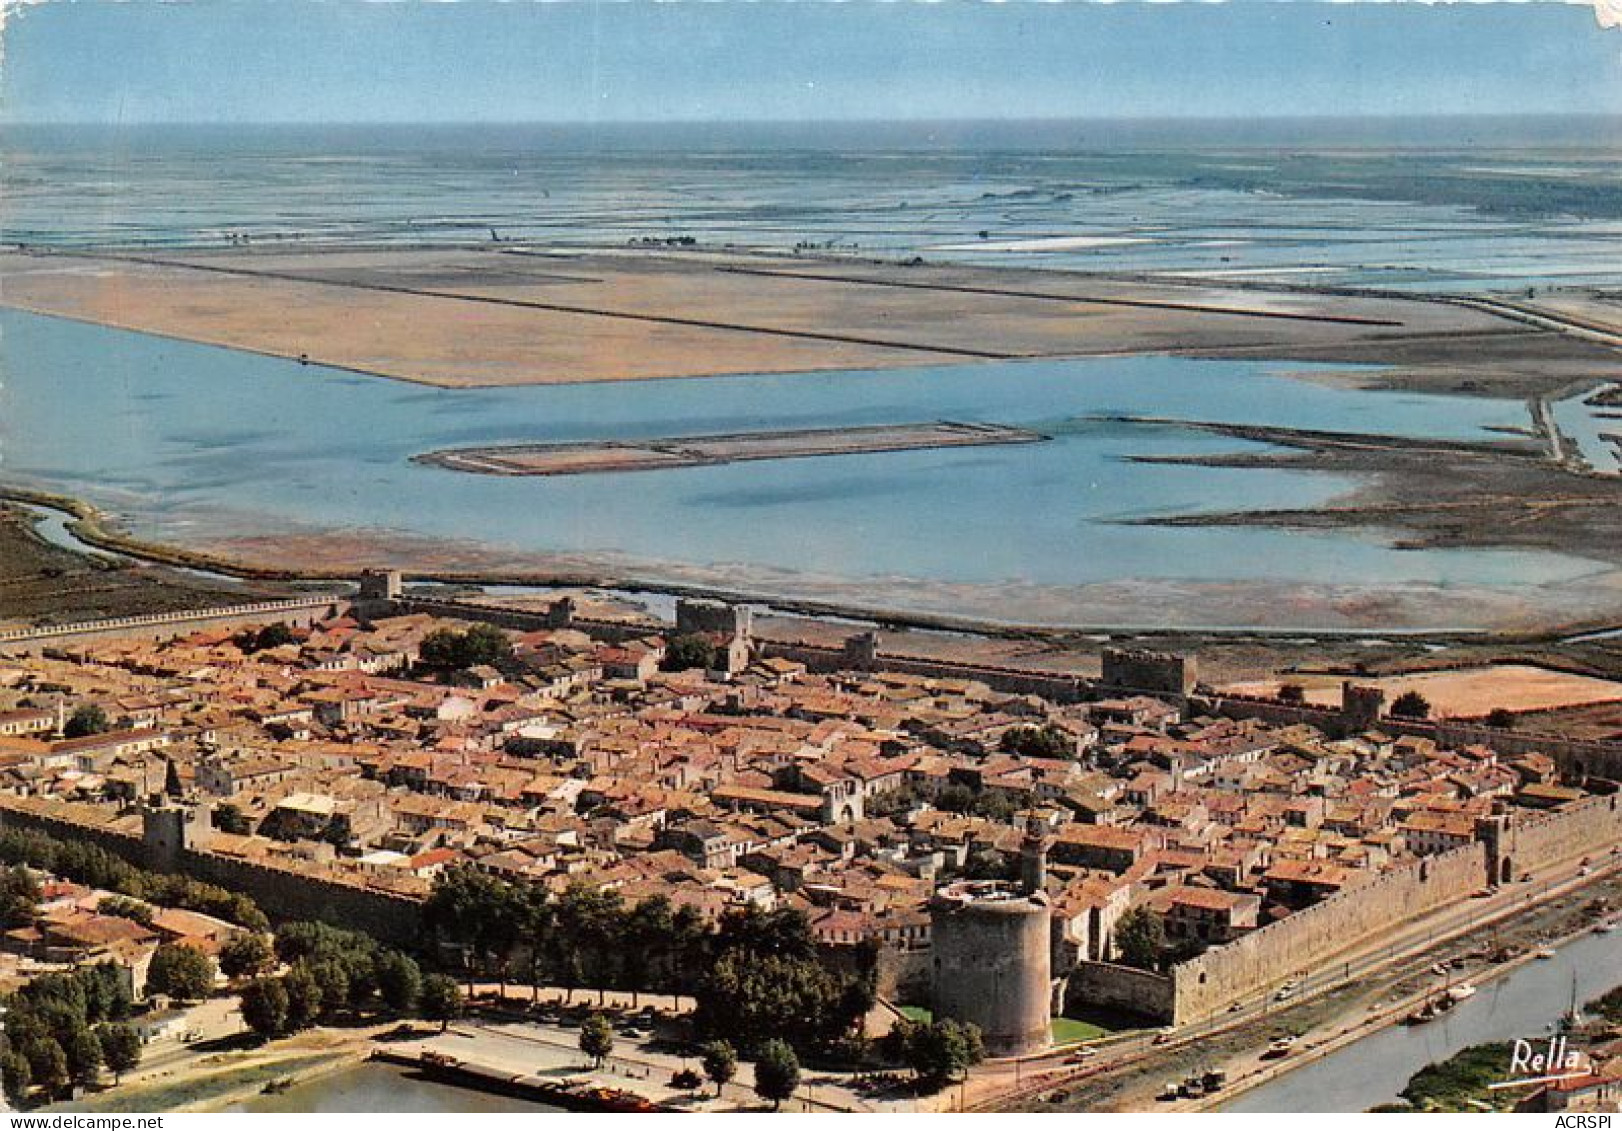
{"x":852,"y":795}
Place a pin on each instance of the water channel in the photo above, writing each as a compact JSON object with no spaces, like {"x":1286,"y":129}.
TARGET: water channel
{"x":382,"y":1088}
{"x":1524,"y":1003}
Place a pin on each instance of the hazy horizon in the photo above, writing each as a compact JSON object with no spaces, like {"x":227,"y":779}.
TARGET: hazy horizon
{"x":352,"y":62}
{"x":1597,"y":132}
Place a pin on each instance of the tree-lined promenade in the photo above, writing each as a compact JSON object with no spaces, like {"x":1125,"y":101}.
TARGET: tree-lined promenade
{"x":755,"y":975}
{"x":761,"y":991}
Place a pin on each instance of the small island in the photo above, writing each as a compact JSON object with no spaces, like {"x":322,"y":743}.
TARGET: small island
{"x":599,"y":456}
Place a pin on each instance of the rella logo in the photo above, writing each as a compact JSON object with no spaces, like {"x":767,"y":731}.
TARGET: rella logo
{"x":1552,"y":1060}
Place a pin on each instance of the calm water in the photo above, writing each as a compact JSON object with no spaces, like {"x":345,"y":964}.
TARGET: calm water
{"x":191,"y":442}
{"x":1487,"y":204}
{"x":381,"y":1088}
{"x":1594,"y":430}
{"x":1373,"y":1070}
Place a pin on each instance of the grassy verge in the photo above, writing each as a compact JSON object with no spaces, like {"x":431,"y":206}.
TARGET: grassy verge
{"x":1460,"y":1083}
{"x":1069,"y":1030}
{"x":192,"y":1089}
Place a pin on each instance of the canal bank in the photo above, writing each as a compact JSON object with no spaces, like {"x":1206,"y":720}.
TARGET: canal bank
{"x":373,"y":1086}
{"x":1372,"y":1069}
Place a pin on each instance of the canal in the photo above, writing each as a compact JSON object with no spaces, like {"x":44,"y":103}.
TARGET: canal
{"x":1525,"y":1003}
{"x":384,"y":1088}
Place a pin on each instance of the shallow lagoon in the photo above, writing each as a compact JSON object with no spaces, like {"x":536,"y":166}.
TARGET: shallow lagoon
{"x":195,"y":442}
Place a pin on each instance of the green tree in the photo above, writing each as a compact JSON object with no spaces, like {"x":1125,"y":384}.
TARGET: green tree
{"x":1292,"y":693}
{"x":83,"y":1049}
{"x":765,"y":980}
{"x":86,"y":720}
{"x":273,"y":635}
{"x":441,"y":1000}
{"x":1140,"y":937}
{"x":479,"y":913}
{"x":447,"y":649}
{"x":245,"y":955}
{"x":1410,"y":705}
{"x":181,"y":972}
{"x":229,"y":818}
{"x":48,"y":1064}
{"x":781,"y":933}
{"x":303,"y":997}
{"x":1501,"y":718}
{"x":648,"y":934}
{"x":360,"y":973}
{"x":590,"y":925}
{"x":399,"y":981}
{"x":597,"y":1039}
{"x":16,"y":1076}
{"x":19,"y":897}
{"x":688,"y":651}
{"x":486,"y":644}
{"x":777,"y":1072}
{"x":121,"y":1048}
{"x":938,"y":1052}
{"x":332,"y":982}
{"x":1046,"y":741}
{"x":441,"y":648}
{"x":265,"y":1006}
{"x":750,"y":999}
{"x":123,"y":906}
{"x":720,"y":1062}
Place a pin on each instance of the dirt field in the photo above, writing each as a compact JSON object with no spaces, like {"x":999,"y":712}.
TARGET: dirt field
{"x":477,"y":317}
{"x":1465,"y":691}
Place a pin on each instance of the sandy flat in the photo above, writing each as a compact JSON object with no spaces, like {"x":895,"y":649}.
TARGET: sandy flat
{"x":472,"y":317}
{"x":1466,"y":691}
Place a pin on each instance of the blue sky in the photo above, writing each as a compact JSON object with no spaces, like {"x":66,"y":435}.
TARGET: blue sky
{"x":294,"y":60}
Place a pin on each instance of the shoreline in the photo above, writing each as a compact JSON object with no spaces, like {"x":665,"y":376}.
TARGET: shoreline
{"x":96,"y":528}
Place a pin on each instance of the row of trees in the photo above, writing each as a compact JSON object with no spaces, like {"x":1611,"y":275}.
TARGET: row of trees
{"x":777,"y":1068}
{"x":584,"y":938}
{"x":64,"y":1029}
{"x":97,"y":867}
{"x":755,"y":975}
{"x":331,"y":975}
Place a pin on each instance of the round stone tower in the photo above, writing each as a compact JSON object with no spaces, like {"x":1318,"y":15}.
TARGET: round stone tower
{"x":991,"y":947}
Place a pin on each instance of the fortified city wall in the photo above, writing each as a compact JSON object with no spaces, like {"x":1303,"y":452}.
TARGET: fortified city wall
{"x":1576,"y":757}
{"x":286,"y":895}
{"x":1208,"y":984}
{"x":1010,"y":681}
{"x":165,"y":626}
{"x":1508,"y":846}
{"x":1532,"y":841}
{"x":282,"y":893}
{"x":1107,"y":985}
